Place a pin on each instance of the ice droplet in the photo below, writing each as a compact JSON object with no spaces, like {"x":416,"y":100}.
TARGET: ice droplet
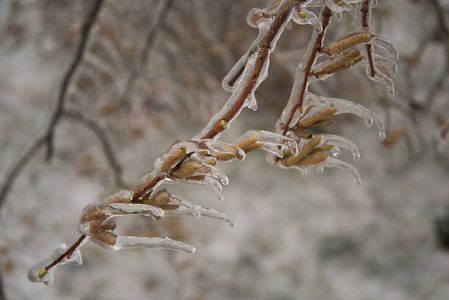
{"x":342,"y":142}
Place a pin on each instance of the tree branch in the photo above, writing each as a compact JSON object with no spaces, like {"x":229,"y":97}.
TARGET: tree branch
{"x":104,"y":141}
{"x":45,"y":136}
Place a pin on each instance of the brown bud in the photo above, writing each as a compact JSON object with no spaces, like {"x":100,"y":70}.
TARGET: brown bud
{"x":246,"y":143}
{"x":187,"y":168}
{"x":98,"y":215}
{"x":169,"y":207}
{"x":253,"y":147}
{"x":109,"y":226}
{"x":160,"y":198}
{"x":348,"y":59}
{"x":224,"y":156}
{"x":292,"y":160}
{"x":106,"y":238}
{"x":299,"y":132}
{"x":174,"y":158}
{"x":308,"y":122}
{"x":313,"y":159}
{"x":348,"y":41}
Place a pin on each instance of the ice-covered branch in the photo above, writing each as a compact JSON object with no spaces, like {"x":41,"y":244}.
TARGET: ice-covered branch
{"x":296,"y":143}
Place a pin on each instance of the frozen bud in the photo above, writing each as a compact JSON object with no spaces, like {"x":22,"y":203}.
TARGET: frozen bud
{"x":347,"y":42}
{"x":98,"y":215}
{"x":107,"y":238}
{"x":177,"y":156}
{"x":292,"y":160}
{"x":158,"y":199}
{"x":187,"y":169}
{"x":319,"y":116}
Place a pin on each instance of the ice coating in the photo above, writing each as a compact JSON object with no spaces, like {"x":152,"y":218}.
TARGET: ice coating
{"x":195,"y":210}
{"x":212,"y":171}
{"x":233,"y":76}
{"x":379,"y":76}
{"x":301,"y":82}
{"x":252,"y":102}
{"x":387,"y":45}
{"x":222,"y":147}
{"x":204,"y":211}
{"x":212,"y":183}
{"x":336,"y":163}
{"x":43,"y":271}
{"x":246,"y":76}
{"x":119,"y":209}
{"x":342,"y":142}
{"x":131,"y":242}
{"x":304,"y":16}
{"x":270,"y":139}
{"x":345,"y":106}
{"x":386,"y":62}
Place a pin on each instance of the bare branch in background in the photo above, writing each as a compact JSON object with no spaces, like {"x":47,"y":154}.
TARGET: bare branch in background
{"x":140,"y":63}
{"x":106,"y":145}
{"x":45,"y":135}
{"x":56,"y":109}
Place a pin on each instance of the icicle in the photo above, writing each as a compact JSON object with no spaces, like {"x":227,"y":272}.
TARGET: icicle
{"x":130,"y":242}
{"x":335,"y":163}
{"x":341,"y":142}
{"x":386,"y":62}
{"x":273,"y":150}
{"x":204,"y":211}
{"x":194,"y":209}
{"x":43,"y":271}
{"x":119,"y":209}
{"x":230,"y":80}
{"x":304,"y":16}
{"x":252,"y":103}
{"x":345,"y":106}
{"x":211,"y":183}
{"x":387,"y":45}
{"x":209,"y":170}
{"x":338,"y":16}
{"x":382,"y":78}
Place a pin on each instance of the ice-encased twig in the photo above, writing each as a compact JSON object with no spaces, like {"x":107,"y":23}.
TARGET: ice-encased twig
{"x":131,"y":242}
{"x":301,"y":77}
{"x":43,"y":271}
{"x":345,"y":106}
{"x":251,"y":70}
{"x":342,"y":142}
{"x":125,"y":209}
{"x":270,"y":139}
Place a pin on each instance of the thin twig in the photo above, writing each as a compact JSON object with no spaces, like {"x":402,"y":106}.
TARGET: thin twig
{"x":140,"y":63}
{"x":56,"y":110}
{"x":45,"y":135}
{"x":317,"y":44}
{"x":2,"y":290}
{"x":104,"y":141}
{"x":181,"y":272}
{"x":263,"y":49}
{"x":230,"y":113}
